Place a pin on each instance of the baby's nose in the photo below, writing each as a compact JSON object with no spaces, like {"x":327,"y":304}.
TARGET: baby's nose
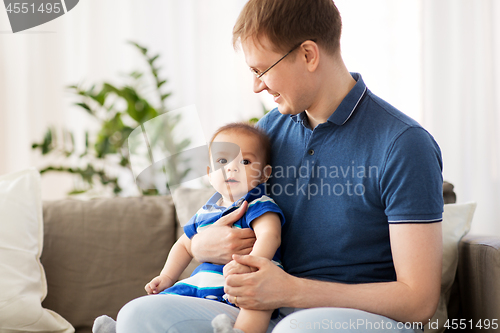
{"x":232,"y":167}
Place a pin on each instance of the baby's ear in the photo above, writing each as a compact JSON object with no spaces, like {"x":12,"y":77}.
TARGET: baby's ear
{"x":209,"y":175}
{"x":266,"y":173}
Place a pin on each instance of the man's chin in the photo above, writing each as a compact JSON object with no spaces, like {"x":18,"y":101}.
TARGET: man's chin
{"x":283,"y":109}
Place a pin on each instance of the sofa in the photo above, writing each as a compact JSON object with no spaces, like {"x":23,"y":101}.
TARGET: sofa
{"x":99,"y":254}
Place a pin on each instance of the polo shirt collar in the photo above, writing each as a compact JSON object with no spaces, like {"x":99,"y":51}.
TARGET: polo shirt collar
{"x":257,"y":191}
{"x":300,"y":118}
{"x":347,"y":106}
{"x":212,"y":202}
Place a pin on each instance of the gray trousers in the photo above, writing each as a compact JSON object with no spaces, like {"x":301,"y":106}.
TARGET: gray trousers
{"x":181,"y":314}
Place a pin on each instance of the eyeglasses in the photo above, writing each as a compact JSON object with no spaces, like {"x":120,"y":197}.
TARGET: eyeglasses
{"x":259,"y":74}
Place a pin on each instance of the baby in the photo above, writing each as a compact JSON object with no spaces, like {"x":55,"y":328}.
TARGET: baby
{"x":239,"y":158}
{"x":239,"y":167}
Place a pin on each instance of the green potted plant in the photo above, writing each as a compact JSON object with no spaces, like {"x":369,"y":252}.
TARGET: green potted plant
{"x":118,"y":109}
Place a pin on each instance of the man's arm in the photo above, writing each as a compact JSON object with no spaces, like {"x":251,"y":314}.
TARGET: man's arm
{"x":417,"y":256}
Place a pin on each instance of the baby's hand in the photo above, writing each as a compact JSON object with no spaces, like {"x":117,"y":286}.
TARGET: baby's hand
{"x":235,"y":268}
{"x":157,"y":285}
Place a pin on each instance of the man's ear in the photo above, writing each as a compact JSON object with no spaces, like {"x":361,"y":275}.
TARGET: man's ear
{"x":266,"y":173}
{"x":311,"y":54}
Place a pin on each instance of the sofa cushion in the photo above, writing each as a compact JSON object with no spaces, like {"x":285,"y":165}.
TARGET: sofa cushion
{"x":99,"y":254}
{"x":456,"y":223}
{"x":187,"y":202}
{"x":22,"y":279}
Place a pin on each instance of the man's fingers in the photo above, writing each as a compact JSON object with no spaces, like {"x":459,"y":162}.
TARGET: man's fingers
{"x":232,"y":217}
{"x":245,"y":247}
{"x":246,"y":233}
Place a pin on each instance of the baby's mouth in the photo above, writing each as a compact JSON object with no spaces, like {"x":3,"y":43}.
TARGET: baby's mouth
{"x":231,"y":181}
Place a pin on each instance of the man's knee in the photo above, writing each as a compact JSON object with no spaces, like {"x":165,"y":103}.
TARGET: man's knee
{"x":147,"y":309}
{"x":132,"y":313}
{"x":339,"y":320}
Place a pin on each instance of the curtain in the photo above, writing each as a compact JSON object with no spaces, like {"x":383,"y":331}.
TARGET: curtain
{"x":461,"y":98}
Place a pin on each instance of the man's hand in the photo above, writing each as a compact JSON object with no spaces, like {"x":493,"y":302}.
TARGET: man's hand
{"x":217,"y":243}
{"x":265,"y":289}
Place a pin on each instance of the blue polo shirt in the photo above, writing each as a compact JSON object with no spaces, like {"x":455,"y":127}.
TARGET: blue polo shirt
{"x":342,"y":184}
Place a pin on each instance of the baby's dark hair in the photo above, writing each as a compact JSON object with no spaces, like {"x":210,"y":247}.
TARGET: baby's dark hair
{"x":247,"y":128}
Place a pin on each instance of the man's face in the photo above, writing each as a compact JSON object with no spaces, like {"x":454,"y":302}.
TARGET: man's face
{"x":235,"y":172}
{"x":287,"y":81}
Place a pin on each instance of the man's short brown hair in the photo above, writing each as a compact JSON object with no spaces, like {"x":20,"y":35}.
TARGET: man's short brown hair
{"x":287,"y":23}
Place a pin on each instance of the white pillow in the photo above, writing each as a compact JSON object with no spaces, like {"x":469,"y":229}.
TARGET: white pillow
{"x":457,"y":219}
{"x":22,"y":278}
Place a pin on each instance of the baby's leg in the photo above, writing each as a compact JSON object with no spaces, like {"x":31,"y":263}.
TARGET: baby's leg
{"x":253,"y":321}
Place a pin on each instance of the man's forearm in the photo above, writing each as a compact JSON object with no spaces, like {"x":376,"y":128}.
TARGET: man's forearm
{"x":417,"y":256}
{"x":416,"y":251}
{"x":395,"y":300}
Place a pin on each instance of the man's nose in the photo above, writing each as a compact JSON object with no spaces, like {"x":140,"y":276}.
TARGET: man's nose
{"x":258,"y":85}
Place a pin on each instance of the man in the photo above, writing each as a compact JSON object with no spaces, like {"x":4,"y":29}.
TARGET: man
{"x":358,"y":181}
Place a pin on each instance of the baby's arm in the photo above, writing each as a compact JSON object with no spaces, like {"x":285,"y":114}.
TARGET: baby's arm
{"x":267,"y":228}
{"x":178,"y":259}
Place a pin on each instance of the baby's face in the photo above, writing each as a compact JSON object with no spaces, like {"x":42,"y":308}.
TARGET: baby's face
{"x":235,"y":172}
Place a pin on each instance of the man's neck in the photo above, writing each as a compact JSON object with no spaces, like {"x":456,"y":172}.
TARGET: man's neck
{"x":336,"y":84}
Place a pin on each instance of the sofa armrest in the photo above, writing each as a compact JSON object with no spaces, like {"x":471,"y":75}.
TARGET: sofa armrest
{"x":478,"y":277}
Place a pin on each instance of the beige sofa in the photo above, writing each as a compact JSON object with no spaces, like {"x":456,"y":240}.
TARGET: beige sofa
{"x":99,"y":254}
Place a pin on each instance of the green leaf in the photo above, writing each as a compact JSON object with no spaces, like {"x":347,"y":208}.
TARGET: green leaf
{"x":136,"y":75}
{"x":74,"y":192}
{"x":86,"y":107}
{"x":161,"y":83}
{"x":47,"y":144}
{"x":141,"y":48}
{"x":152,"y":60}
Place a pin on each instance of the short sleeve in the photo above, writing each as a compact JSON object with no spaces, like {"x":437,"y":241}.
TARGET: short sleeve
{"x":411,"y":181}
{"x":260,"y":206}
{"x":190,"y":227}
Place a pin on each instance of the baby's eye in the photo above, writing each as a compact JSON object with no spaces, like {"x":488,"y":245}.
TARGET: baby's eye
{"x":222,"y":161}
{"x":245,"y":162}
